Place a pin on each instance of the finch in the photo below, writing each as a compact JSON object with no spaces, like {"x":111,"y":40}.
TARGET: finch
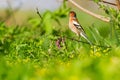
{"x":75,"y":26}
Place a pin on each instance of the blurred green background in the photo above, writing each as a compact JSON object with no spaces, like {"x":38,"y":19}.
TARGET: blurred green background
{"x":34,"y":48}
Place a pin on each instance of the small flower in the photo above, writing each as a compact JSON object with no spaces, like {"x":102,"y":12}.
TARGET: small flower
{"x":97,"y":54}
{"x":59,"y":42}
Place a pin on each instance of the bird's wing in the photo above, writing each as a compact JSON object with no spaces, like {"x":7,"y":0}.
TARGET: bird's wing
{"x":78,"y":26}
{"x":82,"y":32}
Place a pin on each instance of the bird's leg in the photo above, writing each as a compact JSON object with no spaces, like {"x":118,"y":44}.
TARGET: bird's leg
{"x":79,"y":37}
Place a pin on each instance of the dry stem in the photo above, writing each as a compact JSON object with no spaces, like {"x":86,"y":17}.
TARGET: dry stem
{"x":103,"y":18}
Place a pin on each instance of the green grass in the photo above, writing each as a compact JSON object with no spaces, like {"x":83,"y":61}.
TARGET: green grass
{"x":29,"y":51}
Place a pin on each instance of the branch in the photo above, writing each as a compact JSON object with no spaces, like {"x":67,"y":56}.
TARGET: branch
{"x":11,"y":11}
{"x":86,"y":42}
{"x":118,"y":4}
{"x":62,"y":39}
{"x":38,"y":13}
{"x":105,"y":19}
{"x":108,"y":3}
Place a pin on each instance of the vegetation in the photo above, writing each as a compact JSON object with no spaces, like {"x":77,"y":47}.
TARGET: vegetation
{"x":45,"y":49}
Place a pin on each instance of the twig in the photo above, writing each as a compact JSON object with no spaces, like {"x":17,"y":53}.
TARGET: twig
{"x":106,"y":19}
{"x":87,"y":42}
{"x":77,"y":40}
{"x":11,"y":11}
{"x":114,"y":4}
{"x":106,"y":2}
{"x":109,"y":3}
{"x":38,"y":13}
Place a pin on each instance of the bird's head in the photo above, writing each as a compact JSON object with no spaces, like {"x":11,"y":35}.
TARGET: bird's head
{"x":72,"y":14}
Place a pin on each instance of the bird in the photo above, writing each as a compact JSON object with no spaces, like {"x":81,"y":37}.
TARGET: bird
{"x":75,"y":26}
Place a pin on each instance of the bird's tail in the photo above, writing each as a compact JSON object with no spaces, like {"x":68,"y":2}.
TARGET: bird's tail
{"x":84,"y":36}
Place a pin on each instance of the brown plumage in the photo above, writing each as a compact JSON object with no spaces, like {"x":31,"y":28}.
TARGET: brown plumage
{"x":75,"y":26}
